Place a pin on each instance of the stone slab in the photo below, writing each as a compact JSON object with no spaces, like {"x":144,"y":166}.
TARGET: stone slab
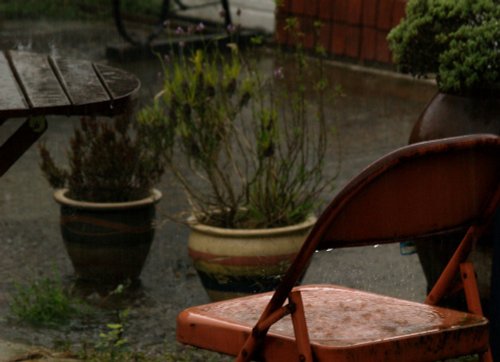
{"x":15,"y":352}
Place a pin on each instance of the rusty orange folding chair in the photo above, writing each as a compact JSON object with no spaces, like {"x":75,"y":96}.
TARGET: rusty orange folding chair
{"x":415,"y":192}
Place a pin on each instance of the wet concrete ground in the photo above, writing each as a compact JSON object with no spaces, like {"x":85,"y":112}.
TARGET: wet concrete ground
{"x":375,"y":116}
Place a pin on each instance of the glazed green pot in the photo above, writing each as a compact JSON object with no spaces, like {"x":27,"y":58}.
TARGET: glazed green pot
{"x":107,"y":242}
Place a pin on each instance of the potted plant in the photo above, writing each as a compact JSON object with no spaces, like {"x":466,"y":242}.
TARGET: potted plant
{"x":107,"y":198}
{"x":250,"y":151}
{"x":458,"y":43}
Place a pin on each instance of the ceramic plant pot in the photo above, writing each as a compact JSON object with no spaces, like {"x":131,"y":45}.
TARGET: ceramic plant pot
{"x":236,"y":262}
{"x":107,"y":242}
{"x":448,"y":115}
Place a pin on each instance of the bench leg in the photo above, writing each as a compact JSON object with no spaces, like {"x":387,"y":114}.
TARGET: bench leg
{"x":27,"y":134}
{"x":227,"y":13}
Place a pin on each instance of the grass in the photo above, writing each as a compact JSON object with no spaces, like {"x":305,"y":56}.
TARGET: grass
{"x":44,"y":302}
{"x":74,"y":9}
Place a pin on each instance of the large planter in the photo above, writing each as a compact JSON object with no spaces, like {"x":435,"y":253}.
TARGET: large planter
{"x":107,"y":242}
{"x":448,"y":116}
{"x":236,"y":262}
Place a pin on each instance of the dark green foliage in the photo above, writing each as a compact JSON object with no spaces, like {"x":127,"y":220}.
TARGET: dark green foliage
{"x":106,"y":163}
{"x":457,"y":40}
{"x":471,"y":64}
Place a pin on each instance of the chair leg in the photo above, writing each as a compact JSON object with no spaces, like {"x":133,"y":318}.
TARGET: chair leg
{"x":300,"y":328}
{"x":247,"y":351}
{"x":486,"y":356}
{"x":256,"y":338}
{"x":445,"y":281}
{"x":296,"y":309}
{"x":468,"y":275}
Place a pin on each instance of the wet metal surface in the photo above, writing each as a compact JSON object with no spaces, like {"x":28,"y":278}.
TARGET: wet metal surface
{"x":343,"y":325}
{"x":337,"y":312}
{"x":374,"y":116}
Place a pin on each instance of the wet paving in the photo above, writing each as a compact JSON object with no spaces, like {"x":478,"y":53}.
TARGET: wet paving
{"x":374,"y":116}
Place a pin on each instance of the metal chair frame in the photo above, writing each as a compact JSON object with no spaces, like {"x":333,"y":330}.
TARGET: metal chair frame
{"x":462,"y":170}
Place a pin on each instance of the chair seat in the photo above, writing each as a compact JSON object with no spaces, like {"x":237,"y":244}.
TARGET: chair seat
{"x":339,"y":319}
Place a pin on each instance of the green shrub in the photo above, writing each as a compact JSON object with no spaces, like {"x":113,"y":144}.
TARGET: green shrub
{"x":456,"y":40}
{"x":248,"y":146}
{"x":472,"y":60}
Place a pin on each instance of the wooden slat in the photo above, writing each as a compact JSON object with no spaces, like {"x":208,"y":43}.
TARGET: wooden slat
{"x":81,"y":81}
{"x":60,"y":86}
{"x":39,"y":81}
{"x":118,"y":82}
{"x":11,"y":97}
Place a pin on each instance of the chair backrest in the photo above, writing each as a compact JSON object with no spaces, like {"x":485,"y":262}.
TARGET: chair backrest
{"x":417,"y":191}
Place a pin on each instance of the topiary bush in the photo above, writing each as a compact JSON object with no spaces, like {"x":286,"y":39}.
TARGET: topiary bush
{"x":454,"y":40}
{"x":471,"y":63}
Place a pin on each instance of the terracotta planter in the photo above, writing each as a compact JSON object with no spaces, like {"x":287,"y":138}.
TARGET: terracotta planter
{"x":236,"y":262}
{"x":447,"y":116}
{"x":107,"y":242}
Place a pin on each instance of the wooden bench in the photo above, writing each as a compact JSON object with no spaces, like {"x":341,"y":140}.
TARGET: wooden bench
{"x":34,"y":86}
